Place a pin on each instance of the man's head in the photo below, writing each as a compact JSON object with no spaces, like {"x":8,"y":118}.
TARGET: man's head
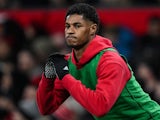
{"x":81,"y":25}
{"x":88,"y":12}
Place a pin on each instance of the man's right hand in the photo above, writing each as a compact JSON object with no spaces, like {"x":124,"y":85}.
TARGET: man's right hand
{"x":60,"y":65}
{"x":49,"y":70}
{"x":56,"y":66}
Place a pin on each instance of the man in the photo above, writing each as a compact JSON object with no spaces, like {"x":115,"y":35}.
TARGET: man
{"x":94,"y":74}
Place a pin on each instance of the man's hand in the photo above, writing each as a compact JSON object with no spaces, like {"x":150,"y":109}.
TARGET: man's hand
{"x":49,"y":70}
{"x":59,"y":65}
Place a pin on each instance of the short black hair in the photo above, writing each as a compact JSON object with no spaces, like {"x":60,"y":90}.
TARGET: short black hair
{"x":88,"y":12}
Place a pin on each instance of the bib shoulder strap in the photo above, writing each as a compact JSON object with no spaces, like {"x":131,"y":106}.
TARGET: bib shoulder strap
{"x":114,"y":50}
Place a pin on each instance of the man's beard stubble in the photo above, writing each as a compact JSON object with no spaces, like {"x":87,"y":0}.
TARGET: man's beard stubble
{"x":77,"y":47}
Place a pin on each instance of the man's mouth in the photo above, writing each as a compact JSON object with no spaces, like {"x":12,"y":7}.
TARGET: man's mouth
{"x":70,"y":37}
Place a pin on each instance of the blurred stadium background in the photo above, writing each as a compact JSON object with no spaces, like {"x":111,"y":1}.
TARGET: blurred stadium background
{"x":32,"y":29}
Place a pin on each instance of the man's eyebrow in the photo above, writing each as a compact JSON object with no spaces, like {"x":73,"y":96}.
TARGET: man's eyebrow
{"x":73,"y":23}
{"x":76,"y":23}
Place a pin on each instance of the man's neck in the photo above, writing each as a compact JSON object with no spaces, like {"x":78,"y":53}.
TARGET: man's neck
{"x":79,"y":52}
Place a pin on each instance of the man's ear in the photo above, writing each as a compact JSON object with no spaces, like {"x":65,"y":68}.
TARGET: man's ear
{"x":93,"y":29}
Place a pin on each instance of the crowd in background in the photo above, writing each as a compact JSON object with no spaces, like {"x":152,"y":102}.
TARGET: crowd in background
{"x":23,"y":53}
{"x":25,"y":4}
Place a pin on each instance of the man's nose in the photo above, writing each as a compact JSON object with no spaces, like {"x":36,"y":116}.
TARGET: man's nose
{"x":70,"y":30}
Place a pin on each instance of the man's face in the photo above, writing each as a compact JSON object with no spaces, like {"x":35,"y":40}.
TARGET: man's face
{"x":77,"y":31}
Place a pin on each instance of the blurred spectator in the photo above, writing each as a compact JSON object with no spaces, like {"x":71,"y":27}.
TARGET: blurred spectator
{"x":6,"y":106}
{"x":115,"y":3}
{"x":110,"y":31}
{"x":26,"y":62}
{"x":8,"y":4}
{"x":32,"y":4}
{"x":6,"y":81}
{"x":125,"y":42}
{"x":152,"y":36}
{"x":5,"y":50}
{"x":34,"y":30}
{"x":8,"y":91}
{"x":146,"y":58}
{"x":28,"y":103}
{"x":148,"y":80}
{"x":37,"y":40}
{"x":146,"y":3}
{"x":36,"y":4}
{"x":91,"y":2}
{"x":58,"y":43}
{"x":67,"y":3}
{"x":42,"y":47}
{"x":148,"y":46}
{"x":122,"y":38}
{"x":28,"y":65}
{"x":58,"y":3}
{"x":11,"y":34}
{"x":3,"y":4}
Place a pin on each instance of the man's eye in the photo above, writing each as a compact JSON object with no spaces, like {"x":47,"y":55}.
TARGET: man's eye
{"x":67,"y":26}
{"x":77,"y":26}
